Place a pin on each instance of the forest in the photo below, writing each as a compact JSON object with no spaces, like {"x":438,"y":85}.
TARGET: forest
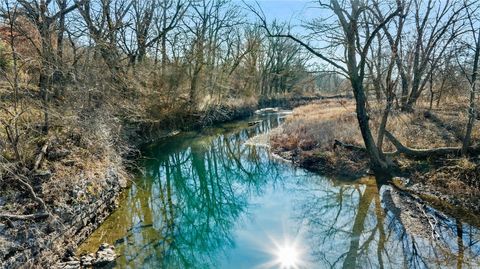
{"x":380,"y":88}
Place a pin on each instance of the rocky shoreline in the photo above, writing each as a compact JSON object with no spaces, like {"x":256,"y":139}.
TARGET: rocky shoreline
{"x":43,"y":244}
{"x":103,"y":258}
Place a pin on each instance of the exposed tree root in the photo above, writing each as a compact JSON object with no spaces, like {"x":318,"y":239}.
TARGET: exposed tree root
{"x":425,"y":153}
{"x":357,"y":148}
{"x":21,"y":180}
{"x":32,"y":193}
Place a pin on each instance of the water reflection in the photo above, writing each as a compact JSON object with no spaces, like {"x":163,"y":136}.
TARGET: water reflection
{"x":358,"y":226}
{"x":209,"y":201}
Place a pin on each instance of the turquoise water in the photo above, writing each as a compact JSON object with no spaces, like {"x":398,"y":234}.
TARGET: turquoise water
{"x":208,"y":200}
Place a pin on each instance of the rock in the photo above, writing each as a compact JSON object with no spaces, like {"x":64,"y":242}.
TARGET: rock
{"x":73,"y":264}
{"x":104,"y":246}
{"x":72,"y":258}
{"x":57,"y":154}
{"x":87,"y":260}
{"x":105,"y":256}
{"x":401,"y":181}
{"x":267,"y":110}
{"x":68,"y":265}
{"x":42,"y":174}
{"x":68,"y":162}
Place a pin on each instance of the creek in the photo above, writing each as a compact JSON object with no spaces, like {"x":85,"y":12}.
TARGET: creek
{"x":207,"y":199}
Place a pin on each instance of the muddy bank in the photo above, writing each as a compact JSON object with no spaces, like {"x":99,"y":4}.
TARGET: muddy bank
{"x":292,"y":102}
{"x":341,"y":164}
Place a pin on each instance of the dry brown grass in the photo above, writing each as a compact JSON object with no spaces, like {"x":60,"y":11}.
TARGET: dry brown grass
{"x":417,"y":132}
{"x":311,"y":130}
{"x":87,"y":144}
{"x":309,"y":134}
{"x":317,"y":126}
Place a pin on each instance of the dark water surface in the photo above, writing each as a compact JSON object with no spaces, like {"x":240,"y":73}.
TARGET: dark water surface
{"x":208,"y":200}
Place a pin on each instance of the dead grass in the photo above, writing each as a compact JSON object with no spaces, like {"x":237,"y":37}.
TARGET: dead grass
{"x":310,"y":131}
{"x":309,"y":134}
{"x":82,"y":147}
{"x":317,"y":126}
{"x":456,"y":175}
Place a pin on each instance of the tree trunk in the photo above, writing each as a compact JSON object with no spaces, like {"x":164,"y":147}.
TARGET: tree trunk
{"x":193,"y":86}
{"x":379,"y":166}
{"x":58,"y":78}
{"x":472,"y":115}
{"x":47,"y":58}
{"x":164,"y":41}
{"x":383,"y":123}
{"x":440,"y":91}
{"x":432,"y":93}
{"x":429,"y":153}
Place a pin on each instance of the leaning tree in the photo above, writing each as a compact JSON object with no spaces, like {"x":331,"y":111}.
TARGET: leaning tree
{"x":348,"y":32}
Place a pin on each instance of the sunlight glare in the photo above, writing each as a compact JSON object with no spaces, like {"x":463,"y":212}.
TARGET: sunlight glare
{"x":287,"y":257}
{"x":288,"y":253}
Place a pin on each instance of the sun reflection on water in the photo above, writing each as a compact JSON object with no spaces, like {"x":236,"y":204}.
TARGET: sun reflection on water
{"x":286,"y":255}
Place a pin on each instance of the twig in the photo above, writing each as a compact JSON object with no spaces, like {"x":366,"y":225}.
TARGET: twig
{"x":347,"y":146}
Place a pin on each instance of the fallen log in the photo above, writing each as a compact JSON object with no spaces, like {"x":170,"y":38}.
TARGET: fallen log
{"x":36,"y":216}
{"x":40,"y":156}
{"x":425,"y":153}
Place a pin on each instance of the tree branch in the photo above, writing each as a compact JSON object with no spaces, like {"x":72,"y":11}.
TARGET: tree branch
{"x":425,"y":153}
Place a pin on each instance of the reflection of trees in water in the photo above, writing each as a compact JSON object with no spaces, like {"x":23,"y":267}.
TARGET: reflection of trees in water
{"x":186,"y":207}
{"x":429,"y":238}
{"x":182,"y":213}
{"x":352,"y":226}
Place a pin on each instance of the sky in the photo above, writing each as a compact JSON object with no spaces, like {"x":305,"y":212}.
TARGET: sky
{"x":294,"y":12}
{"x":286,"y":10}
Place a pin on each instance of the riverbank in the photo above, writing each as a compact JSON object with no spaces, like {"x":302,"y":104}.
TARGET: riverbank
{"x":65,"y":184}
{"x":79,"y":170}
{"x":315,"y":135}
{"x":216,"y":199}
{"x":142,"y":130}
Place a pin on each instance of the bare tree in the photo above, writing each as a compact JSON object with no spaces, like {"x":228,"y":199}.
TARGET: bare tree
{"x":12,"y":168}
{"x":151,"y":21}
{"x":356,"y":45}
{"x":43,"y":17}
{"x":436,"y":25}
{"x":205,"y":24}
{"x":104,"y":20}
{"x":472,"y":74}
{"x":11,"y":123}
{"x":387,"y":85}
